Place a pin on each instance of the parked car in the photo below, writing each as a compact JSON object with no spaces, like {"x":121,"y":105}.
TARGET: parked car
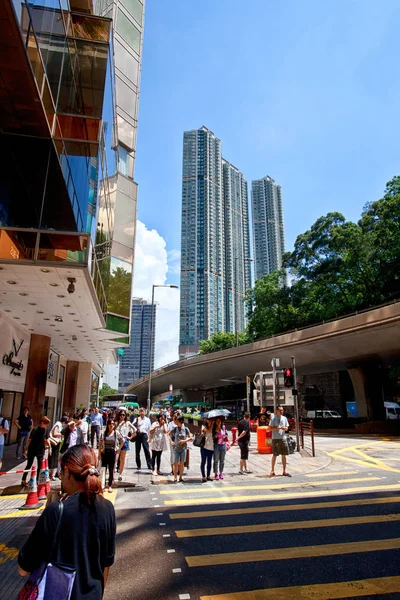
{"x":392,"y":410}
{"x":323,"y":414}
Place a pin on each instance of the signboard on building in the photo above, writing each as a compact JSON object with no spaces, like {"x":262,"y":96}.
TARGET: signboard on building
{"x":14,"y":353}
{"x":52,"y":366}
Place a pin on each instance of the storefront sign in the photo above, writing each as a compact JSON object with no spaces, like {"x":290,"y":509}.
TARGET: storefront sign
{"x":14,"y":352}
{"x":52,"y":366}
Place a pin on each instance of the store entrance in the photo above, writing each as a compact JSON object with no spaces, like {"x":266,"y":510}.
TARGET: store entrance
{"x":10,"y":408}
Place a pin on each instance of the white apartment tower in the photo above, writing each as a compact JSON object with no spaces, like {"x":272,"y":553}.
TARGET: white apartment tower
{"x":268,"y":227}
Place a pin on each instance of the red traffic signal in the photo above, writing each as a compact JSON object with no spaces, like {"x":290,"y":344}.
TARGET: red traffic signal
{"x":288,"y":378}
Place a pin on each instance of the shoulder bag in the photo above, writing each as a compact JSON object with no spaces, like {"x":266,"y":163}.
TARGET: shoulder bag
{"x":199,"y":440}
{"x":50,"y":580}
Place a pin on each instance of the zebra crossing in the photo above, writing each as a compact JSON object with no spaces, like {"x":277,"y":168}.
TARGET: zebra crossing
{"x":279,"y":541}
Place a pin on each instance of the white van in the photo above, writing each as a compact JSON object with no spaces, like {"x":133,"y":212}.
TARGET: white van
{"x":392,"y":410}
{"x":323,"y":414}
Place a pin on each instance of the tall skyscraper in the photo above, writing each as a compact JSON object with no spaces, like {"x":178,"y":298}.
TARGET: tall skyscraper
{"x":215,"y":268}
{"x":237,"y":246}
{"x":134,"y":363}
{"x":268,"y":227}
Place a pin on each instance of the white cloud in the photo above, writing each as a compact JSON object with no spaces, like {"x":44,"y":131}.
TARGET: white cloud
{"x":174,"y":262}
{"x":151,"y":267}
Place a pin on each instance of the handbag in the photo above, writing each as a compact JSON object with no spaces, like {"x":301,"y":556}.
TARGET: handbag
{"x":50,"y":581}
{"x":199,"y":440}
{"x":228,"y":445}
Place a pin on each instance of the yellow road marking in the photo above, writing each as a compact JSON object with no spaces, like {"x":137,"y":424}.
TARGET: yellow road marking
{"x":370,"y":462}
{"x":356,"y":461}
{"x":231,"y":488}
{"x":230,"y":558}
{"x":320,"y":591}
{"x":332,"y":474}
{"x":9,"y":553}
{"x":13,"y":497}
{"x":200,"y":514}
{"x":18,"y":513}
{"x":187,"y":533}
{"x":229,"y":499}
{"x":376,"y":461}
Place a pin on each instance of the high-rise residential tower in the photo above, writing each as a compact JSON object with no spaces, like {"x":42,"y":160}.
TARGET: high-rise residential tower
{"x":135,"y":361}
{"x":268,"y":227}
{"x":215,"y":268}
{"x":237,"y":246}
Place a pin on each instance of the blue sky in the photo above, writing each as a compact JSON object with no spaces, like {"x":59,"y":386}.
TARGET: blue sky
{"x":305,"y":91}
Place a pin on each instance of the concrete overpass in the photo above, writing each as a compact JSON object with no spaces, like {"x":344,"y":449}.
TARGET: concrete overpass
{"x":359,"y":343}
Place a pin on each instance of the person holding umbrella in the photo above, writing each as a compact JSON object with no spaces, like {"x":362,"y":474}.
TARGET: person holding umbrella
{"x":220,"y":438}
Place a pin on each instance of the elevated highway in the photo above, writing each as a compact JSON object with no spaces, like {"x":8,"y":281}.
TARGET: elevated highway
{"x":358,"y":343}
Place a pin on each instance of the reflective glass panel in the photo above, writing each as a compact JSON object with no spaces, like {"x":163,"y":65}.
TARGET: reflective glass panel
{"x":17,"y":245}
{"x":128,"y":31}
{"x":63,"y":248}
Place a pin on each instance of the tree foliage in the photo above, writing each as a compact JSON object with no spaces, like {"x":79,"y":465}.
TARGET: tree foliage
{"x":107,"y":390}
{"x":221,"y":341}
{"x":335,"y":268}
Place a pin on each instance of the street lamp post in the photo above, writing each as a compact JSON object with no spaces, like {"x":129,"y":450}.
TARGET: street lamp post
{"x":151,"y":339}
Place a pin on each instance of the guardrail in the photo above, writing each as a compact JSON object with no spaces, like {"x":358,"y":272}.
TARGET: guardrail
{"x":307,"y":436}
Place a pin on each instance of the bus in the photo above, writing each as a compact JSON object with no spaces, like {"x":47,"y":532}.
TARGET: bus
{"x":116,"y":400}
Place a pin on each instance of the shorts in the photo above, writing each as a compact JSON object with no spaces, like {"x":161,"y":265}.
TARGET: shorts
{"x":126,"y":445}
{"x":280,"y":447}
{"x":1,"y":451}
{"x":244,"y":449}
{"x":178,"y":455}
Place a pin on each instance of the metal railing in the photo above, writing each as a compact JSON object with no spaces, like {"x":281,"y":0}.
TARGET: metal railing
{"x":307,"y":437}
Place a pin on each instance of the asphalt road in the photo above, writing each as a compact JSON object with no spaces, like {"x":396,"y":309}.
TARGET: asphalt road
{"x":334,"y":533}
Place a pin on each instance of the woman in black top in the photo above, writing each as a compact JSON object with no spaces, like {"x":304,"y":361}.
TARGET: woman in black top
{"x":86,"y":540}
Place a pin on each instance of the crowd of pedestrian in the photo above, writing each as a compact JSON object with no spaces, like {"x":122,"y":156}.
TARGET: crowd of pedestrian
{"x":111,"y":434}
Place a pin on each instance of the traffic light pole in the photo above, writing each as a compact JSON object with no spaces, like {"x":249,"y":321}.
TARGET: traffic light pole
{"x":296,"y":403}
{"x":274,"y":382}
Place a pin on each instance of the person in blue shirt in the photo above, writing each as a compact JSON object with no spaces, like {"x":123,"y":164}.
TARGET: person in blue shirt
{"x":96,"y":421}
{"x":279,"y":426}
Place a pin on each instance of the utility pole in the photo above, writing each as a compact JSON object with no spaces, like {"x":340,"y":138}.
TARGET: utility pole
{"x":296,"y":403}
{"x":275,"y":362}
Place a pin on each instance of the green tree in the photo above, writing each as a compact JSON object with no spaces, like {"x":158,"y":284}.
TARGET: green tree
{"x":221,"y":341}
{"x":336,"y":267}
{"x":107,"y":390}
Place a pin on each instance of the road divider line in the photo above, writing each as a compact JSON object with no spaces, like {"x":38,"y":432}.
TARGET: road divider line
{"x":230,"y":558}
{"x":231,"y":488}
{"x":262,"y":527}
{"x":277,"y":495}
{"x":332,"y":474}
{"x":201,"y":514}
{"x":321,"y":591}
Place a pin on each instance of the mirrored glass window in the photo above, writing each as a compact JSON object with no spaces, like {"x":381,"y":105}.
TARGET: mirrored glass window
{"x":128,"y":31}
{"x":135,"y":8}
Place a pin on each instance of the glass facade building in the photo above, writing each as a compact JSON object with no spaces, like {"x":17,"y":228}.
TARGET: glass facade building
{"x":237,"y":247}
{"x":268,"y":226}
{"x":135,"y":361}
{"x":215,"y":256}
{"x":69,"y":90}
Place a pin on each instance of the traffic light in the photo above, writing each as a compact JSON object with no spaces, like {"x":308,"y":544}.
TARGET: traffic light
{"x":288,"y":378}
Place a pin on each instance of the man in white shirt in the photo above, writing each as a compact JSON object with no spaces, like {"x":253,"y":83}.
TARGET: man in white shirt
{"x":143,"y":426}
{"x":279,"y":426}
{"x":4,"y":429}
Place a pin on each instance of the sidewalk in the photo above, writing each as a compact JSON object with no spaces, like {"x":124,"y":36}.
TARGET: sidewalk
{"x":299,"y":463}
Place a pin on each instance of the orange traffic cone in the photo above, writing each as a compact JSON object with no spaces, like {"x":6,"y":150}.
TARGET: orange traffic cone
{"x":32,"y":500}
{"x":42,"y":492}
{"x":47,"y":476}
